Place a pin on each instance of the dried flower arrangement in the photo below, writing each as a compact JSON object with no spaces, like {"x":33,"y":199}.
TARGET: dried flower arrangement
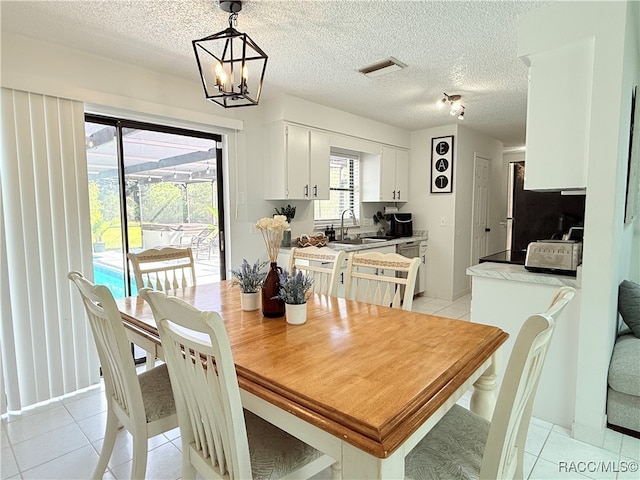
{"x":272,"y":229}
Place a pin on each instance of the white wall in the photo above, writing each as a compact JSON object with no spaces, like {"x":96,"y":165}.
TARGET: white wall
{"x":115,"y":88}
{"x":429,"y":208}
{"x":449,"y":251}
{"x":470,"y":143}
{"x":607,"y":242}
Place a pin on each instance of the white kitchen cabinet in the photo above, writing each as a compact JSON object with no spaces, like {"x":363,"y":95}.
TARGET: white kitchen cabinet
{"x":385,"y":177}
{"x":297,"y":163}
{"x":558,"y":113}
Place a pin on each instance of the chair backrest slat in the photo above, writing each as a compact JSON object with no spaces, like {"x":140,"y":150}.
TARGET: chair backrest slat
{"x":322,"y":264}
{"x":163,"y":269}
{"x":366,"y":282}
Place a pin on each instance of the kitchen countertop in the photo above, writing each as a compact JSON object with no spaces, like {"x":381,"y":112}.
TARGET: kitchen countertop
{"x":367,"y":246}
{"x":517,"y":273}
{"x":515,"y":257}
{"x":385,"y":243}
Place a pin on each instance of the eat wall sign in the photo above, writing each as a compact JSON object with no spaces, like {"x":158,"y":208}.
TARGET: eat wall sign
{"x":442,"y":164}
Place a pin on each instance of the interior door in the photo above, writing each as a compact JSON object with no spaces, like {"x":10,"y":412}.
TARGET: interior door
{"x":480,"y":227}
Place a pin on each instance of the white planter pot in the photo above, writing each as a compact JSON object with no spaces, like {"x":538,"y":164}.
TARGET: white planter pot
{"x":296,"y":314}
{"x":250,"y":301}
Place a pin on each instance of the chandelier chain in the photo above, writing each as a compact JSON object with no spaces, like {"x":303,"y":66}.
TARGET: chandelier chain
{"x":233,"y":20}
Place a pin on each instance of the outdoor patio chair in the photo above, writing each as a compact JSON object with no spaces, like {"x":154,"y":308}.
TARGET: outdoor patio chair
{"x":203,"y":242}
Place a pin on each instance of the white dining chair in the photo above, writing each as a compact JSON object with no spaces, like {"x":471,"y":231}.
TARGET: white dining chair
{"x":387,"y":279}
{"x":166,"y":268}
{"x":465,"y":445}
{"x":219,"y":438}
{"x":322,"y":264}
{"x":143,"y":404}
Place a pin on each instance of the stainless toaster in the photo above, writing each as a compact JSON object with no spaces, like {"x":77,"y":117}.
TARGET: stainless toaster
{"x":554,"y":256}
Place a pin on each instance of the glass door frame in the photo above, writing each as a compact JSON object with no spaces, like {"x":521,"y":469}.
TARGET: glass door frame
{"x":119,"y":124}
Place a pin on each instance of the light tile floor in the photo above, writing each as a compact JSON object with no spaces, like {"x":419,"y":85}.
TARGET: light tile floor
{"x":61,"y":440}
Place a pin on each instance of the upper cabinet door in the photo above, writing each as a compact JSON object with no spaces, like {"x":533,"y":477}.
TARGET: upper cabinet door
{"x":387,"y":174}
{"x":558,"y":113}
{"x":298,"y":162}
{"x":297,"y":165}
{"x":385,"y":177}
{"x":402,"y":175}
{"x":319,"y":165}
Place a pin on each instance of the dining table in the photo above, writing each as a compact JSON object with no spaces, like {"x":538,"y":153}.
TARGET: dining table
{"x":362,"y":383}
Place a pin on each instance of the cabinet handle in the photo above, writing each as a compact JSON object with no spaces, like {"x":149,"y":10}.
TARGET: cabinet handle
{"x":394,"y":194}
{"x":306,"y":190}
{"x":315,"y":190}
{"x":398,"y":194}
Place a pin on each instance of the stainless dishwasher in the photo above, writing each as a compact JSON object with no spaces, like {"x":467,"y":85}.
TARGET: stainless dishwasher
{"x":410,"y":250}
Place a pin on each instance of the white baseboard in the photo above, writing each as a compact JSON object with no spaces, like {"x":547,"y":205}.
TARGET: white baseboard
{"x":590,"y":434}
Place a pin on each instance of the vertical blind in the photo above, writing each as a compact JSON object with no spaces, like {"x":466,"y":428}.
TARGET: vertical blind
{"x":46,"y":345}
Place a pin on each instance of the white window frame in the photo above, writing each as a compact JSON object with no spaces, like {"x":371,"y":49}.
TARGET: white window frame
{"x":355,"y":165}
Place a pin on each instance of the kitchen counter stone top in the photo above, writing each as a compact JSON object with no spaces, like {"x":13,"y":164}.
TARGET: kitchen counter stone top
{"x":518,"y":273}
{"x":420,"y":236}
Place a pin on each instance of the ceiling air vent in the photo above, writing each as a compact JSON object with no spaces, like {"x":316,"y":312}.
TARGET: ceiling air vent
{"x":382,"y":68}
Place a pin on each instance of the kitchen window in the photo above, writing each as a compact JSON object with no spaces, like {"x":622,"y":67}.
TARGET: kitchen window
{"x":344,"y":191}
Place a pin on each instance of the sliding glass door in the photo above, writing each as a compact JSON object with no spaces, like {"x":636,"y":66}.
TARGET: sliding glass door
{"x":153,"y":186}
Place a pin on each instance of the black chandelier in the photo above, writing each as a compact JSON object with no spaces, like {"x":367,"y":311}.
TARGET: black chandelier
{"x":231,"y":65}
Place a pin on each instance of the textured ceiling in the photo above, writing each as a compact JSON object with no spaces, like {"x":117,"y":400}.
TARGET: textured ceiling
{"x":316,"y":47}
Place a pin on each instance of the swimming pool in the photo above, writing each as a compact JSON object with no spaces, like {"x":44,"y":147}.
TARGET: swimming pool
{"x":112,"y":278}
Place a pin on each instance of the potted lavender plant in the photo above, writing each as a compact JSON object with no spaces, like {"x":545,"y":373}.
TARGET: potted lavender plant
{"x":294,"y":288}
{"x":250,"y":279}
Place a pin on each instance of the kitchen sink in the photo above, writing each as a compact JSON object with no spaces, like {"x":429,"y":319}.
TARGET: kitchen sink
{"x":359,"y":241}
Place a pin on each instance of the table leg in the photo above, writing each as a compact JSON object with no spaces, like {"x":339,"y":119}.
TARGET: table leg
{"x":359,"y":465}
{"x":336,"y":471}
{"x":483,"y":399}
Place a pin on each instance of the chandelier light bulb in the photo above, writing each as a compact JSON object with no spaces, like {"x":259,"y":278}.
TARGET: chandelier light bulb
{"x":461,"y":116}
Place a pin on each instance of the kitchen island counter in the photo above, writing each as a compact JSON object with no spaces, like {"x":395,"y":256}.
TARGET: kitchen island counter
{"x":506,"y":295}
{"x":517,"y":273}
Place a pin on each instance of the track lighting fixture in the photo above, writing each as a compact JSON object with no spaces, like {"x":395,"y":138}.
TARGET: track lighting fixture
{"x":454,"y":102}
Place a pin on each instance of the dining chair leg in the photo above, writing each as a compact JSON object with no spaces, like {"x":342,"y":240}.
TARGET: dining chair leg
{"x":151,"y":361}
{"x":110,"y":433}
{"x":188,"y":470}
{"x":140,"y":446}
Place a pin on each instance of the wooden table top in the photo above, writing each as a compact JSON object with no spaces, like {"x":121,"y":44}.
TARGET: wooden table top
{"x":370,"y":375}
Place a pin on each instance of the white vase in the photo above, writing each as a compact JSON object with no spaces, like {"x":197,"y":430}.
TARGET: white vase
{"x":296,"y":314}
{"x":250,"y":301}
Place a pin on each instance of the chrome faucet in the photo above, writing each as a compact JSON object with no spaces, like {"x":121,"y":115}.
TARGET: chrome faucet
{"x":344,"y":231}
